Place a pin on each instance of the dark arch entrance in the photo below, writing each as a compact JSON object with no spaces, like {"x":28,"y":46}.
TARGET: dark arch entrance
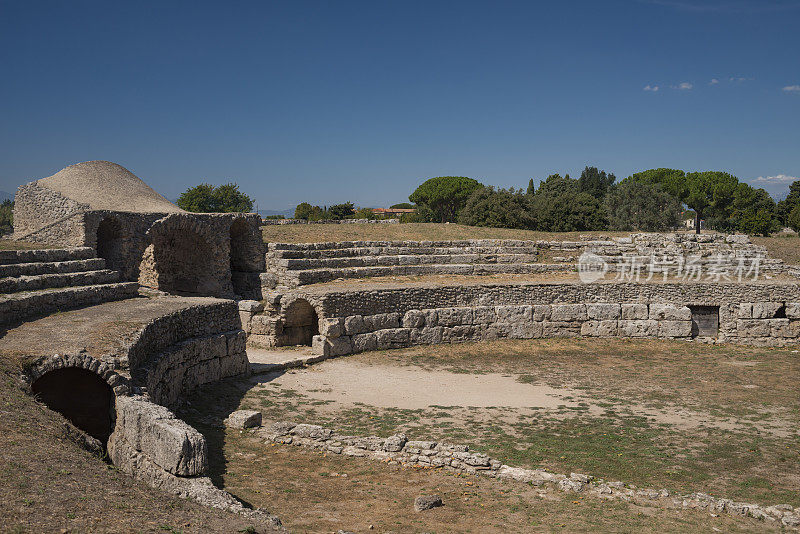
{"x":81,"y":396}
{"x":300,"y":323}
{"x":239,"y":233}
{"x":110,"y":243}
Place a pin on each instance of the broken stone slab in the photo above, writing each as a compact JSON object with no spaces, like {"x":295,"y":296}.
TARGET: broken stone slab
{"x":315,"y":432}
{"x":251,"y":306}
{"x":241,"y":419}
{"x":426,"y":502}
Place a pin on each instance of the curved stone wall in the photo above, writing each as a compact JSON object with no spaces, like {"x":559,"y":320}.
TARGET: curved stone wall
{"x":355,"y":321}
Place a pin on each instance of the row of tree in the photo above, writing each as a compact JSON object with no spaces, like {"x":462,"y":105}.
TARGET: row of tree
{"x":337,"y":212}
{"x":651,"y":200}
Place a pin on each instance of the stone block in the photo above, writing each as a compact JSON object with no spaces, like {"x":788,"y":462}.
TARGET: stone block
{"x":765,"y":310}
{"x":753,"y":328}
{"x":568,"y":312}
{"x":674,"y":329}
{"x":414,"y":319}
{"x":454,"y":316}
{"x":393,"y":338}
{"x":323,"y":346}
{"x":541,"y":312}
{"x":428,"y":335}
{"x":745,"y":310}
{"x":166,"y":440}
{"x":241,"y":419}
{"x":638,"y":328}
{"x":603,"y":311}
{"x":793,"y":310}
{"x":561,"y":329}
{"x":251,"y":306}
{"x":779,"y":328}
{"x":332,"y":327}
{"x":483,"y":315}
{"x":512,"y":314}
{"x":633,"y":312}
{"x":314,"y":432}
{"x":381,"y":321}
{"x":354,"y":324}
{"x":670,"y":312}
{"x":364,"y":342}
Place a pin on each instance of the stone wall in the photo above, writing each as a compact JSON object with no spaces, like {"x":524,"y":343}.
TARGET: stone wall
{"x":355,"y":321}
{"x":44,"y":216}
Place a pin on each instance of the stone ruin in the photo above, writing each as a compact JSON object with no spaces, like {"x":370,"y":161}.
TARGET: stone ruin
{"x":139,"y":233}
{"x":108,"y":235}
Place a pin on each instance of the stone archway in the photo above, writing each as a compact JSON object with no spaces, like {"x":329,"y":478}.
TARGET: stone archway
{"x":185,"y":259}
{"x":81,"y":396}
{"x":300,"y":323}
{"x":110,"y":243}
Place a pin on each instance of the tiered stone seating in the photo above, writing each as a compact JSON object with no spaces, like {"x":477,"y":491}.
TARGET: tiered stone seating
{"x":38,"y":282}
{"x":295,"y":264}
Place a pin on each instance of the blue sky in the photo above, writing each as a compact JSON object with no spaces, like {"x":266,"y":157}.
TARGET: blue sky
{"x":333,"y":101}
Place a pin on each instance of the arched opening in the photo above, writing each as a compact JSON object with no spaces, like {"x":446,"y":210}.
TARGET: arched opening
{"x":110,"y":243}
{"x":182,"y":263}
{"x":81,"y":396}
{"x":300,"y":323}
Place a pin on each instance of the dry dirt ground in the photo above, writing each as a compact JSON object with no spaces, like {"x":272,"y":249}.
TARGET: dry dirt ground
{"x":678,"y":415}
{"x":49,"y":484}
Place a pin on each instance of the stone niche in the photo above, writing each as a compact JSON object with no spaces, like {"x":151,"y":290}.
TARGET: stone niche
{"x":705,"y":321}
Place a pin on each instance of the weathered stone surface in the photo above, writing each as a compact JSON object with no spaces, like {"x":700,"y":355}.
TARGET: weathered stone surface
{"x":322,"y":346}
{"x":765,"y":310}
{"x":638,"y":328}
{"x":354,"y":324}
{"x":669,"y":312}
{"x":413,"y":319}
{"x":793,"y":310}
{"x":674,"y":328}
{"x":568,"y":312}
{"x":314,"y":432}
{"x":332,"y":328}
{"x":603,"y":311}
{"x":155,"y":431}
{"x":426,"y":502}
{"x":241,"y":419}
{"x":634,"y":311}
{"x":395,"y":443}
{"x":251,"y":306}
{"x":365,"y":342}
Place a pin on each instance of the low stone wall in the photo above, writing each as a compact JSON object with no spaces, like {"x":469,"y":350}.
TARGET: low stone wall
{"x":397,"y":449}
{"x":355,"y":321}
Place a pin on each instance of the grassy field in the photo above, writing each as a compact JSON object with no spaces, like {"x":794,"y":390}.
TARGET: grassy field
{"x":49,"y":484}
{"x":683,"y":416}
{"x":785,"y":248}
{"x":318,"y":493}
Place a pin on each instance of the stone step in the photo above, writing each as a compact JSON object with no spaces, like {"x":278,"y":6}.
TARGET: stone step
{"x":395,"y":251}
{"x":46,"y":255}
{"x":18,"y":307}
{"x":380,"y":244}
{"x":46,"y":281}
{"x":315,"y":276}
{"x":371,"y":261}
{"x":51,"y":267}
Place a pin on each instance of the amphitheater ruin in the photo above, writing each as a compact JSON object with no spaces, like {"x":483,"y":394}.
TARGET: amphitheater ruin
{"x":158,"y":301}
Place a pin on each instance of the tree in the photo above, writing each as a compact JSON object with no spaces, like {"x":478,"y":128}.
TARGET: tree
{"x":206,"y":198}
{"x":198,"y":199}
{"x":303,"y":211}
{"x":752,"y":211}
{"x":673,"y":181}
{"x":641,"y":205}
{"x":341,"y":211}
{"x":595,"y":182}
{"x":709,"y":193}
{"x":785,"y":206}
{"x":501,"y":208}
{"x":364,"y":213}
{"x":402,"y":206}
{"x":794,"y":218}
{"x":556,"y":185}
{"x":6,"y":217}
{"x":445,"y":196}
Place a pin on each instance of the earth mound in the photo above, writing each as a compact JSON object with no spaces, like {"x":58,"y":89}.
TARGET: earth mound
{"x":104,"y":185}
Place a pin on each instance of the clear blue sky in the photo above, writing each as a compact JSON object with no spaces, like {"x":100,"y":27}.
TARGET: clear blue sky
{"x":362,"y":101}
